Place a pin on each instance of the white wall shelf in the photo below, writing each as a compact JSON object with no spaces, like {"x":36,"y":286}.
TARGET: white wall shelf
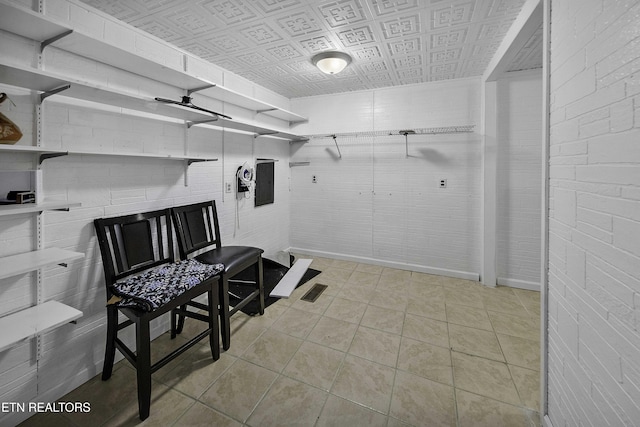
{"x":6,"y":210}
{"x":23,"y":263}
{"x":33,"y":321}
{"x":44,"y":82}
{"x":42,"y":28}
{"x":232,"y":97}
{"x":45,"y":153}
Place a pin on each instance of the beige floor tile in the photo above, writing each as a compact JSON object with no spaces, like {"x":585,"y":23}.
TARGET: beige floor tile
{"x":370,"y":268}
{"x":196,"y":372}
{"x":357,"y":293}
{"x":383,"y":319}
{"x":393,"y":286}
{"x":521,"y":352}
{"x":47,"y":419}
{"x":239,"y":389}
{"x":318,"y":263}
{"x":419,"y":401}
{"x":517,"y":326}
{"x":272,"y":350}
{"x":347,"y":310}
{"x":364,"y":382}
{"x":394,"y":422}
{"x":391,"y":300}
{"x":433,"y":309}
{"x":332,"y":274}
{"x":426,"y":360}
{"x":424,"y":277}
{"x":375,"y":345}
{"x":297,"y":323}
{"x":485,"y":377}
{"x":395,"y":275}
{"x":200,"y":415}
{"x":479,"y":411}
{"x":346,"y":265}
{"x":288,"y":402}
{"x":425,"y":291}
{"x":106,"y":397}
{"x":315,"y":364}
{"x":243,"y":334}
{"x":473,"y":341}
{"x":427,"y":330}
{"x":502,"y":303}
{"x":167,"y":405}
{"x":468,"y":316}
{"x":460,"y":284}
{"x":338,"y":412}
{"x":360,"y":278}
{"x":333,"y":333}
{"x":463,"y":297}
{"x":528,"y":385}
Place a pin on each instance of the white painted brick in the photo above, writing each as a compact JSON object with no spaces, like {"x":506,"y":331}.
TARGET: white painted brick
{"x":622,"y":115}
{"x":626,"y":235}
{"x":596,"y":100}
{"x":619,"y":148}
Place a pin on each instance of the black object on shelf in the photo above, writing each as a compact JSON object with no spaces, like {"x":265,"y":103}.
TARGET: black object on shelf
{"x":186,"y":102}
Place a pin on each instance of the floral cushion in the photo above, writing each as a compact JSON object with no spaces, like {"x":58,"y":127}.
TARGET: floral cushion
{"x":156,"y":287}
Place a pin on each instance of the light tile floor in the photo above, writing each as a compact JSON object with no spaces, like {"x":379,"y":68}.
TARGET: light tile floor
{"x":380,"y":347}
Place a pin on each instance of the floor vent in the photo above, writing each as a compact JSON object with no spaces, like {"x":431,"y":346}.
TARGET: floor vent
{"x":314,"y":292}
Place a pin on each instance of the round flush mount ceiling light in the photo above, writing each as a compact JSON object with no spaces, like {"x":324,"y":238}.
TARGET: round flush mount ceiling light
{"x":331,"y":62}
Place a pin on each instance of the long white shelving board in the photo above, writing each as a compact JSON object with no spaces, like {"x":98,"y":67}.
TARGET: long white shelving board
{"x":36,"y":320}
{"x":6,"y":210}
{"x":39,"y":27}
{"x":44,"y":82}
{"x":45,"y":151}
{"x":23,"y":263}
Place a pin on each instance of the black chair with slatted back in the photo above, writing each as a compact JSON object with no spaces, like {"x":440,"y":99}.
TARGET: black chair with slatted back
{"x":143,"y":282}
{"x":198,"y":231}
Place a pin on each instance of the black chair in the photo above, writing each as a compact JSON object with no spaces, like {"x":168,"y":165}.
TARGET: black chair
{"x":197,"y":229}
{"x":144,"y":282}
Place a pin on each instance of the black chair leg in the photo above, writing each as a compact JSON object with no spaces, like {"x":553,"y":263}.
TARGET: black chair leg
{"x":110,"y":349}
{"x":225,"y":326}
{"x":180,"y":325}
{"x":143,"y":367}
{"x":174,"y":316}
{"x":259,"y":282}
{"x":214,"y":337}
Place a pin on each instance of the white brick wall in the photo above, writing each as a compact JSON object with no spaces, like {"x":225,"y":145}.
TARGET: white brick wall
{"x":376,"y":204}
{"x":518,"y":179}
{"x":594,"y":255}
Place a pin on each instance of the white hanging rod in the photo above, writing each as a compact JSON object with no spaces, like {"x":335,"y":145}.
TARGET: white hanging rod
{"x":416,"y":131}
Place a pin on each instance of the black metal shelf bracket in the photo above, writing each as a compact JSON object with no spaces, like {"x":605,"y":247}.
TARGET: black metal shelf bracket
{"x":53,"y":39}
{"x":45,"y":95}
{"x":198,"y":89}
{"x":46,"y":156}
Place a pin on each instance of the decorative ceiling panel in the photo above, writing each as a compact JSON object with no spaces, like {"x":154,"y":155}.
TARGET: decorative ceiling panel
{"x":392,"y":42}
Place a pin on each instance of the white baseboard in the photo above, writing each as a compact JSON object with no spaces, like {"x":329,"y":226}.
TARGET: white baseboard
{"x":520,"y":284}
{"x":391,"y":264}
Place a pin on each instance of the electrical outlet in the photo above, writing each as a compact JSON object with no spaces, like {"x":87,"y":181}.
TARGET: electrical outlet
{"x":227,"y":187}
{"x":314,"y":179}
{"x":443,"y":183}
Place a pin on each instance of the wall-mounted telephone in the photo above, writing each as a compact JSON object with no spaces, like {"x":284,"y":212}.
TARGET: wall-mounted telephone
{"x":244,"y":176}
